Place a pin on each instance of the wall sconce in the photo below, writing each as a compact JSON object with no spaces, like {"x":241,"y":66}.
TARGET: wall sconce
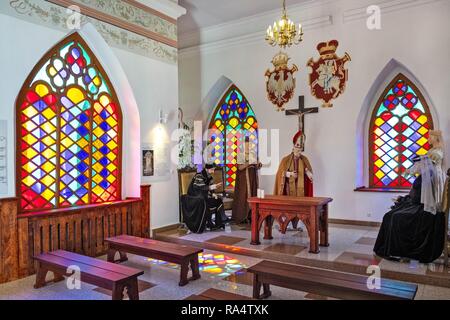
{"x":163,"y":117}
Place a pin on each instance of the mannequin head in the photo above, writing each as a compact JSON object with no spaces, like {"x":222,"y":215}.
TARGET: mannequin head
{"x":435,"y":139}
{"x":247,"y":150}
{"x":299,"y":143}
{"x":210,"y":168}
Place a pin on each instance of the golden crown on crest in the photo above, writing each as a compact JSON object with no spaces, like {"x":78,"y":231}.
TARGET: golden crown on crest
{"x":328,"y":48}
{"x":280,"y":60}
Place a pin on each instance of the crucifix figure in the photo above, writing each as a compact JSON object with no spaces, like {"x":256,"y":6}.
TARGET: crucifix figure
{"x":300,"y":112}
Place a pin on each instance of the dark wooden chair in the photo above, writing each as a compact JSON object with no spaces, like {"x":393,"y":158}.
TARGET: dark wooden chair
{"x":325,"y":282}
{"x":165,"y":251}
{"x":185,"y":177}
{"x":93,"y":271}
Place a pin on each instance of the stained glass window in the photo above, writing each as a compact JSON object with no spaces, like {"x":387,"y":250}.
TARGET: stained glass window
{"x":232,"y":122}
{"x":398,"y":133}
{"x":69,"y":124}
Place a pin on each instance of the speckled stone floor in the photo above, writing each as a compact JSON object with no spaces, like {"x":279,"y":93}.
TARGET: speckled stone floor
{"x":227,"y":255}
{"x":224,"y":271}
{"x":350,"y":250}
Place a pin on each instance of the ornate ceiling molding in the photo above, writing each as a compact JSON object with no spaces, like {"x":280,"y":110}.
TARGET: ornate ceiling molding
{"x":55,"y":16}
{"x":126,"y":16}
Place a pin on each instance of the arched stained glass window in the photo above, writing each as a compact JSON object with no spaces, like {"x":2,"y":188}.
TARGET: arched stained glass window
{"x":232,"y":122}
{"x":68,"y":131}
{"x":398,"y":133}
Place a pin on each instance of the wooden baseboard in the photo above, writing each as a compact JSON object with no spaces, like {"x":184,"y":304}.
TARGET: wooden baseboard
{"x":355,"y":222}
{"x":165,"y":228}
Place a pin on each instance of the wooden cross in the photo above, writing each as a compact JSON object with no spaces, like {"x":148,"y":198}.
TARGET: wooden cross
{"x":300,"y":113}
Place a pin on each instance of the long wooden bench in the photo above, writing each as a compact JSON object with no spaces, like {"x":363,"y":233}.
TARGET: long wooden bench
{"x":93,"y":271}
{"x":215,"y":294}
{"x":170,"y":252}
{"x":325,"y":282}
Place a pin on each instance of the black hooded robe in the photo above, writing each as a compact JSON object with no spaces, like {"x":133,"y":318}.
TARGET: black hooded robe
{"x":407,"y":231}
{"x":196,"y":205}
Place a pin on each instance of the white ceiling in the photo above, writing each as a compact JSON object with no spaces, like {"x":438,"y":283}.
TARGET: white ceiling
{"x":206,"y":13}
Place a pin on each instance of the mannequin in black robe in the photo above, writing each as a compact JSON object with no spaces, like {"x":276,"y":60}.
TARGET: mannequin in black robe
{"x":199,"y":203}
{"x":407,"y":231}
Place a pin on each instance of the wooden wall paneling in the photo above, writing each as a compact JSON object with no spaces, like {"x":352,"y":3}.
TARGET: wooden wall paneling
{"x":9,"y":263}
{"x":116,"y":216}
{"x":62,"y":234}
{"x":91,"y":234}
{"x":78,"y":235}
{"x":145,"y":196}
{"x":24,"y":249}
{"x":129,"y":224}
{"x":70,"y":235}
{"x":81,"y":230}
{"x":85,"y":234}
{"x":99,"y":234}
{"x":123,"y":217}
{"x":111,"y":221}
{"x":54,"y":231}
{"x":37,"y":237}
{"x":105,"y":229}
{"x":137,"y":219}
{"x":45,"y":235}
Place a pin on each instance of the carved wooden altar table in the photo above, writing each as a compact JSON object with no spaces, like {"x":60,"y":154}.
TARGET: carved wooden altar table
{"x":312,"y":211}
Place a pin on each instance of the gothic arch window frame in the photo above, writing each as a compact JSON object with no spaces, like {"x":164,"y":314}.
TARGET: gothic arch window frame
{"x":370,"y":127}
{"x":232,"y":87}
{"x":21,"y":98}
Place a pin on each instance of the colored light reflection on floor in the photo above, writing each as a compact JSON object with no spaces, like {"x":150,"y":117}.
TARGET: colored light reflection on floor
{"x":218,"y":265}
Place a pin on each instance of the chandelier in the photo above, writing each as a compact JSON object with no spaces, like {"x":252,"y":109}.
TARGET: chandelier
{"x":284,"y":32}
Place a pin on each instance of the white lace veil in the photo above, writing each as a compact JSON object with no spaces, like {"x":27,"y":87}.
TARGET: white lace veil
{"x":430,"y":197}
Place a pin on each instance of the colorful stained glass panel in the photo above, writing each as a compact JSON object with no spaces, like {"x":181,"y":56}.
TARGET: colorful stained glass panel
{"x":70,"y":132}
{"x":233,"y":122}
{"x":399,"y":133}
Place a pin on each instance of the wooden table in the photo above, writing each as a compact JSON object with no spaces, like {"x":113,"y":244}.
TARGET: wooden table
{"x":165,"y":251}
{"x":312,"y":211}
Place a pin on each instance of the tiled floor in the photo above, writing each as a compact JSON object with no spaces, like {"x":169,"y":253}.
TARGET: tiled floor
{"x":225,"y":269}
{"x":160,"y":282}
{"x":225,"y":240}
{"x":351,"y":248}
{"x":285,"y":248}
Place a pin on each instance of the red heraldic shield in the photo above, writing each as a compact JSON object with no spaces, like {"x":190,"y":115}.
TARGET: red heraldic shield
{"x":328,"y":76}
{"x":280,"y":83}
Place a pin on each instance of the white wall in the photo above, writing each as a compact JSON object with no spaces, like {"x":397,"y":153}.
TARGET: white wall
{"x":416,"y":36}
{"x":154,"y":84}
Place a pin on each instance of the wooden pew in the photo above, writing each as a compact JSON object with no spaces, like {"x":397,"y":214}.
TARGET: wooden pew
{"x":93,"y":271}
{"x":325,"y":282}
{"x":170,"y":252}
{"x":215,"y":294}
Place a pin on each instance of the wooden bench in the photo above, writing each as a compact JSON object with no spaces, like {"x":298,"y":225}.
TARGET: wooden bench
{"x":170,"y":252}
{"x":325,"y":282}
{"x":93,"y":271}
{"x":215,"y":294}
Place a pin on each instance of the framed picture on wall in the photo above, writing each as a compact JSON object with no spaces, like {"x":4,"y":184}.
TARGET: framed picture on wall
{"x":148,"y":162}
